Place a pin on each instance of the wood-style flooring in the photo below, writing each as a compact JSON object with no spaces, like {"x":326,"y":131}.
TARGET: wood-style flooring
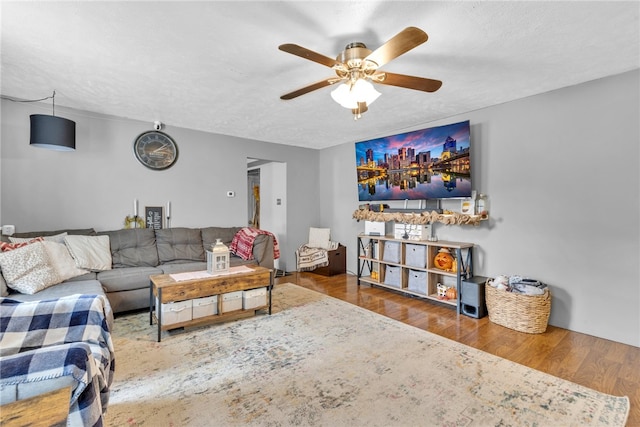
{"x":597,"y":363}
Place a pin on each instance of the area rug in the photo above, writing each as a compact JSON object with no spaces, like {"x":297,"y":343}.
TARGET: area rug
{"x":319,"y":361}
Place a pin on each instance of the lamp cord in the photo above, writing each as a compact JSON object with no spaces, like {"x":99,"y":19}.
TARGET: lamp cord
{"x":53,"y":96}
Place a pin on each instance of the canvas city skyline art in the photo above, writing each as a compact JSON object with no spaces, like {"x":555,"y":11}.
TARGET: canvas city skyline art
{"x":431,"y":163}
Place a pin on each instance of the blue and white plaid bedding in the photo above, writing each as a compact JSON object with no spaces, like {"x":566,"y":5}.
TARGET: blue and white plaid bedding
{"x":61,"y":337}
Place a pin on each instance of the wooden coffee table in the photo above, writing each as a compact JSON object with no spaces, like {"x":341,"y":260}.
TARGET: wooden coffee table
{"x":166,"y":290}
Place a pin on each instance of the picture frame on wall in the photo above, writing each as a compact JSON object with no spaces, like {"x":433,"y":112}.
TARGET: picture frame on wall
{"x":153,"y":216}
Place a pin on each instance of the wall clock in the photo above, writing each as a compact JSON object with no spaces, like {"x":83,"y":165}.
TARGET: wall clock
{"x":156,"y":150}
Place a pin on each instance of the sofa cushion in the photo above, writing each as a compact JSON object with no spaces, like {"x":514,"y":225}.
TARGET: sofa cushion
{"x":225,"y":234}
{"x":183,"y":267}
{"x":63,"y":289}
{"x":179,"y":245}
{"x":73,"y":231}
{"x":58,"y":238}
{"x":125,"y":279}
{"x":134,"y":247}
{"x":89,"y":275}
{"x":90,"y":252}
{"x":28,"y":269}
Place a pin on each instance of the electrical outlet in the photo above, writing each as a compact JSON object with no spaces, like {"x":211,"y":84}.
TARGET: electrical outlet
{"x":8,"y":230}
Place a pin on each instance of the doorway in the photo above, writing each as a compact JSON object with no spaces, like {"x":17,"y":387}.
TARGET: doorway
{"x":253,"y":190}
{"x":267,"y":201}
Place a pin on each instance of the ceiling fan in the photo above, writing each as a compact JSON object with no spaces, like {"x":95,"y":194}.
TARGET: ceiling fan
{"x":357,"y":66}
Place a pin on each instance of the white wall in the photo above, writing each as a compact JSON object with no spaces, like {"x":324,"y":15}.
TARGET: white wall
{"x":95,"y":186}
{"x":561,"y":173}
{"x":560,"y":169}
{"x":273,"y":216}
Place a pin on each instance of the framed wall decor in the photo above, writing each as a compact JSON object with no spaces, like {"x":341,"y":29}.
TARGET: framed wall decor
{"x":153,"y":216}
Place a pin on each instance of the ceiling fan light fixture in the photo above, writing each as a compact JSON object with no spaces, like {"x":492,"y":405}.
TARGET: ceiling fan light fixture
{"x":349,"y":96}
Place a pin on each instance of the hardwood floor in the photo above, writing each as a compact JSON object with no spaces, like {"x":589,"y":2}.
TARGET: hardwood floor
{"x":600,"y":364}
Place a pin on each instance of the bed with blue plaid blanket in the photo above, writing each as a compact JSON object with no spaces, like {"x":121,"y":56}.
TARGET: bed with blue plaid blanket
{"x":64,"y":337}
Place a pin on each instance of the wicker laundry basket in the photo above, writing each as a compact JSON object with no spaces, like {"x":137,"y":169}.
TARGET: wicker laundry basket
{"x":524,"y":313}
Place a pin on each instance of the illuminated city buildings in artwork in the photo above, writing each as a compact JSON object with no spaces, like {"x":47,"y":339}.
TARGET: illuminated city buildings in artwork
{"x":416,"y":165}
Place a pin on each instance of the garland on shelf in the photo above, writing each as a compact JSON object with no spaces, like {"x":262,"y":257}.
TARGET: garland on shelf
{"x":453,"y":218}
{"x":130,"y":221}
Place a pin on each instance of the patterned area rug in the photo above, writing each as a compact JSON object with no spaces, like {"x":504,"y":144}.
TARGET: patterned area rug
{"x":319,"y":361}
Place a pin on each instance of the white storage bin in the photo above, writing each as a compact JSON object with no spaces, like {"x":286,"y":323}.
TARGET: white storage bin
{"x":203,"y":307}
{"x":373,"y":228}
{"x":175,"y":312}
{"x":417,"y":281}
{"x":231,"y":301}
{"x":391,"y":252}
{"x":415,"y":255}
{"x":254,"y":298}
{"x":393,"y":276}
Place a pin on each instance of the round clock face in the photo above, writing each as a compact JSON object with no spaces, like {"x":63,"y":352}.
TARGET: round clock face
{"x":156,"y":150}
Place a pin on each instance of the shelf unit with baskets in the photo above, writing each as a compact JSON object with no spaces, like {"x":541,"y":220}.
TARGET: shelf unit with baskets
{"x":408,"y":266}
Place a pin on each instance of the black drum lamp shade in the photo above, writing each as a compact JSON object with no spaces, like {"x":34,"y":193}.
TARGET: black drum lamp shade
{"x":53,"y":133}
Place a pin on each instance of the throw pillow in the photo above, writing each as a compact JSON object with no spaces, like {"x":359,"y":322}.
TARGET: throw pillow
{"x":319,"y":238}
{"x":90,"y":252}
{"x":6,"y":247}
{"x":58,"y":238}
{"x":62,"y":261}
{"x":28,"y":269}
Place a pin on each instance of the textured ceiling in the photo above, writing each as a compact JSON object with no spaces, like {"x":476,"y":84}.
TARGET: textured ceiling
{"x":215,"y":66}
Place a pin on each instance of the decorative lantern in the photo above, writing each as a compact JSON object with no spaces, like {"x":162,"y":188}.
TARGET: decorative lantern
{"x":218,"y":258}
{"x":444,"y":260}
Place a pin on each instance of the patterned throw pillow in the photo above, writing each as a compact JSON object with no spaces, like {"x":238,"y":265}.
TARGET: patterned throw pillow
{"x":6,"y":247}
{"x":28,"y":269}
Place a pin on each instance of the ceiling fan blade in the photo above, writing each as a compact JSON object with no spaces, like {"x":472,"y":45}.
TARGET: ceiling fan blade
{"x":409,"y":82}
{"x":305,"y":53}
{"x":310,"y":88}
{"x":401,"y":43}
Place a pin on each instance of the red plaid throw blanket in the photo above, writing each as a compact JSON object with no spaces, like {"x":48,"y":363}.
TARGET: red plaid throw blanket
{"x":242,"y":243}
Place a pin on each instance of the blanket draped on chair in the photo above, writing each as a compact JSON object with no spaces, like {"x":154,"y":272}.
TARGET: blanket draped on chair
{"x":308,"y":258}
{"x":67,"y":336}
{"x":242,"y":243}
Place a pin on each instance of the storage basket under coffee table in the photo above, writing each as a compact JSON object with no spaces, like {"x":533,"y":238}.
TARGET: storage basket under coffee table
{"x":164,"y":289}
{"x":524,"y":313}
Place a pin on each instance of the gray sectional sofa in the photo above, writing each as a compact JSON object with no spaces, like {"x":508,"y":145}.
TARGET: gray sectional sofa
{"x":135,"y":254}
{"x":139,"y":253}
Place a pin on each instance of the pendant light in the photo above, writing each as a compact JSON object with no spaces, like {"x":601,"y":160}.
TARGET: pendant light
{"x":51,"y":132}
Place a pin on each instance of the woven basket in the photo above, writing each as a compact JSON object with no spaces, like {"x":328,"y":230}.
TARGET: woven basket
{"x":524,"y":313}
